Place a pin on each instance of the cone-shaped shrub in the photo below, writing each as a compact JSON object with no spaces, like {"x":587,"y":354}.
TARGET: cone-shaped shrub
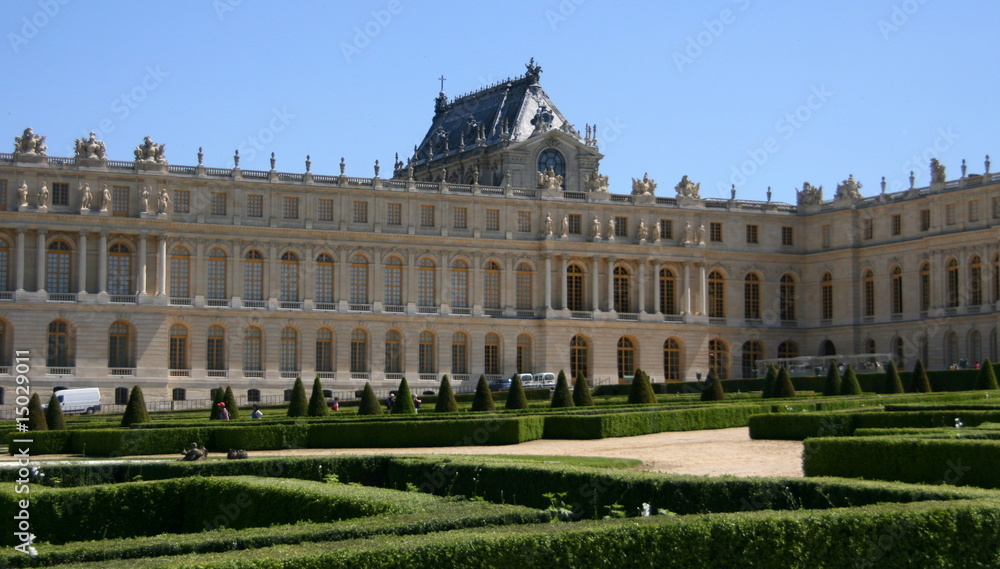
{"x":987,"y":379}
{"x":562,"y":396}
{"x":769,"y":379}
{"x":135,"y":411}
{"x":581,"y":392}
{"x":893,"y":383}
{"x":920,"y":383}
{"x":483,"y":400}
{"x":783,"y":384}
{"x":220,"y":394}
{"x":516,"y":399}
{"x":370,"y":404}
{"x":850,"y":385}
{"x":317,"y":403}
{"x":36,"y":415}
{"x":54,"y":415}
{"x":404,"y":400}
{"x":230,"y":400}
{"x":641,"y":391}
{"x":713,"y":388}
{"x":446,"y":398}
{"x":833,"y":381}
{"x":299,"y":405}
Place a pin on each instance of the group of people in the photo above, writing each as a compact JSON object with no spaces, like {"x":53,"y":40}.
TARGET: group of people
{"x":390,"y":402}
{"x":257,"y":413}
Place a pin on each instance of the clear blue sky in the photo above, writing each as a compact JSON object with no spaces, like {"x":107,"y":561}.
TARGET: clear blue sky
{"x":784,"y":91}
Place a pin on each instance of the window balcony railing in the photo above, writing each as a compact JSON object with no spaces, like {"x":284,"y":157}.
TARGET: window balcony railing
{"x":217,"y":302}
{"x":973,"y":309}
{"x":217,"y":373}
{"x":753,"y":322}
{"x":291,"y":305}
{"x":122,"y":299}
{"x":867,"y":319}
{"x":290,"y":374}
{"x":428,"y":310}
{"x":789,"y":324}
{"x":331,"y":306}
{"x":428,"y":377}
{"x":179,"y":301}
{"x":180,"y":373}
{"x":460,"y":377}
{"x":326,"y":374}
{"x":718,"y":320}
{"x":6,"y":295}
{"x":461,"y":310}
{"x":4,"y":370}
{"x":895,"y":317}
{"x":253,"y":373}
{"x":393,"y":376}
{"x":122,"y":371}
{"x":254,"y":304}
{"x":394,"y":308}
{"x":53,"y":370}
{"x":581,"y":315}
{"x":628,"y":316}
{"x":361,"y":375}
{"x":673,"y":318}
{"x":62,"y":297}
{"x":494,"y":312}
{"x":526,"y":313}
{"x":356,"y":307}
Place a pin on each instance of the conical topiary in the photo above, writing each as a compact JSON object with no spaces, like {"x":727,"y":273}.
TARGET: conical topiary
{"x":769,"y":379}
{"x":299,"y":404}
{"x":516,"y":399}
{"x":54,"y":415}
{"x":893,"y":383}
{"x":581,"y":392}
{"x":987,"y":378}
{"x":317,"y":402}
{"x":783,"y":386}
{"x":713,"y":388}
{"x":833,"y":380}
{"x":446,"y":398}
{"x":562,"y":396}
{"x":370,"y":404}
{"x":36,"y":415}
{"x":135,"y":411}
{"x":220,"y":394}
{"x":483,"y":400}
{"x":404,"y":400}
{"x":920,"y":383}
{"x":641,"y":391}
{"x":850,"y":385}
{"x":230,"y":400}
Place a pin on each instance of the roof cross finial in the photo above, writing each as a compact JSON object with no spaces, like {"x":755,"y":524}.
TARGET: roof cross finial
{"x":442,"y":79}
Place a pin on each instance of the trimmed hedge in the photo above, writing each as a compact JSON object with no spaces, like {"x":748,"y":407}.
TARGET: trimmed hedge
{"x":628,"y":424}
{"x":799,"y":426}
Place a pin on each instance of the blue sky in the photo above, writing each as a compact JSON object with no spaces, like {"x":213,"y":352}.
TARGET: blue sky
{"x":727,"y":91}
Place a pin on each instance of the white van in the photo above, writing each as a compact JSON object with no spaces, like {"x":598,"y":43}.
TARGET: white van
{"x":544,"y":380}
{"x":86,"y":400}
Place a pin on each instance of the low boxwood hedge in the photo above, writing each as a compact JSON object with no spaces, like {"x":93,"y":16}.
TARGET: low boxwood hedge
{"x":798,"y":426}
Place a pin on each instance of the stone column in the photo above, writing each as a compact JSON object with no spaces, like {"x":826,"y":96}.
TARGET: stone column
{"x":703,"y":286}
{"x":102,"y":264}
{"x":595,"y":285}
{"x":342,"y":291}
{"x":548,"y":282}
{"x":19,"y":271}
{"x":82,"y":273}
{"x":564,"y":272}
{"x":40,"y":260}
{"x":642,"y":288}
{"x":657,"y":309}
{"x":140,"y":282}
{"x":687,"y":287}
{"x":161,"y":266}
{"x":611,"y":284}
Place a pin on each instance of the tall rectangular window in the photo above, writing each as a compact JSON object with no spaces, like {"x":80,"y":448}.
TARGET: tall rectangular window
{"x":825,"y":236}
{"x":751,"y":234}
{"x":996,"y":208}
{"x":460,"y":217}
{"x":182,"y":201}
{"x":868,"y":228}
{"x":973,"y":211}
{"x":897,"y":224}
{"x":393,"y":214}
{"x":3,"y":194}
{"x":426,"y":216}
{"x":666,"y":229}
{"x":574,"y":223}
{"x":949,"y":214}
{"x":621,"y":226}
{"x":925,"y":219}
{"x":119,"y":201}
{"x":325,"y":212}
{"x":524,"y":221}
{"x":360,"y":212}
{"x":290,"y":207}
{"x":492,"y":220}
{"x":60,"y":193}
{"x":787,"y":235}
{"x":218,"y":204}
{"x":255,"y":206}
{"x":715,"y":231}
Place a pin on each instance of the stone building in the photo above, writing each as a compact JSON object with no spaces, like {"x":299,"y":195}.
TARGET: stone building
{"x":495,"y":248}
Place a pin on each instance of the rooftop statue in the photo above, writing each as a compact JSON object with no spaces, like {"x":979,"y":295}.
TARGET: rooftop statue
{"x":30,"y":143}
{"x":810,"y":194}
{"x":150,"y":151}
{"x":595,"y":182}
{"x":687,"y":189}
{"x":91,"y":148}
{"x":533,"y":71}
{"x":848,"y":189}
{"x":937,"y":171}
{"x":644,"y":187}
{"x":549,"y":180}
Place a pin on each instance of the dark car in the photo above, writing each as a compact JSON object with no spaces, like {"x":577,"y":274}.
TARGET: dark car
{"x":502,"y":384}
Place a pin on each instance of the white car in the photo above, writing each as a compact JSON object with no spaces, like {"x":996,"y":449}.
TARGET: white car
{"x":541,"y":381}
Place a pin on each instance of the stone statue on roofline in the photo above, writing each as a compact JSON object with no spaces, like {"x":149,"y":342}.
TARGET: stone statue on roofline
{"x":644,"y":187}
{"x":595,"y":182}
{"x":91,"y":148}
{"x":849,"y":189}
{"x":30,"y":143}
{"x":810,"y":194}
{"x":150,"y":152}
{"x":549,"y":180}
{"x":937,"y":171}
{"x":687,"y":189}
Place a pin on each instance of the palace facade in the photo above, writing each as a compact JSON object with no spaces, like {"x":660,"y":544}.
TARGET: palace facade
{"x":495,"y":248}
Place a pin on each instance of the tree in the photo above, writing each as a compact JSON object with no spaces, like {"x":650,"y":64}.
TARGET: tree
{"x":562,"y":396}
{"x":36,"y":415}
{"x":230,"y":400}
{"x":299,"y":404}
{"x":713,"y":388}
{"x":220,"y":394}
{"x":783,"y":386}
{"x":769,"y":379}
{"x":135,"y":411}
{"x":893,"y":383}
{"x":987,"y":378}
{"x":641,"y":391}
{"x":370,"y":404}
{"x":54,"y":416}
{"x":920,"y":383}
{"x":317,"y":401}
{"x":483,"y":400}
{"x":516,"y":399}
{"x":850,"y":385}
{"x":581,"y":392}
{"x":404,"y":400}
{"x":446,"y":398}
{"x":833,"y":381}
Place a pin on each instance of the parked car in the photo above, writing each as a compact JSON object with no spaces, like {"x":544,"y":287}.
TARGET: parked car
{"x":500,"y":384}
{"x":85,"y":400}
{"x":540,"y":381}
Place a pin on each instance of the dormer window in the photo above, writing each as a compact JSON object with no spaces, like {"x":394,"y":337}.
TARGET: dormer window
{"x":552,"y":159}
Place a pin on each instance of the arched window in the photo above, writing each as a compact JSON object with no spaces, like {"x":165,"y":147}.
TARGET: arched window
{"x":925,"y":287}
{"x":57,"y":267}
{"x":459,"y":284}
{"x":253,"y":395}
{"x":118,"y":348}
{"x":899,"y":351}
{"x":523,"y":287}
{"x":718,"y":358}
{"x":216,"y":274}
{"x":253,"y":276}
{"x":426,"y":360}
{"x":491,"y":285}
{"x":288,"y":360}
{"x":180,"y":272}
{"x":119,"y":269}
{"x":975,"y":281}
{"x":324,"y":278}
{"x":178,"y":394}
{"x":491,"y":354}
{"x":426,"y":282}
{"x":215,"y":349}
{"x":393,"y":282}
{"x":752,"y":351}
{"x":952,"y":283}
{"x":459,"y":353}
{"x":788,"y":349}
{"x":574,"y":288}
{"x":896,"y":285}
{"x":950,"y":349}
{"x":668,"y":292}
{"x":359,"y":351}
{"x":787,"y":298}
{"x":252,"y":344}
{"x":751,"y":297}
{"x":289,"y":277}
{"x":579,"y":357}
{"x":671,"y":360}
{"x":626,"y":357}
{"x":4,"y":264}
{"x":869,"y":346}
{"x":868,"y":284}
{"x":623,"y":284}
{"x":324,"y":350}
{"x":178,"y":354}
{"x":393,"y":352}
{"x":551,"y":158}
{"x":716,"y":295}
{"x":826,"y":292}
{"x":996,"y":278}
{"x":975,"y":347}
{"x":827,"y":348}
{"x":359,"y":280}
{"x":524,"y":364}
